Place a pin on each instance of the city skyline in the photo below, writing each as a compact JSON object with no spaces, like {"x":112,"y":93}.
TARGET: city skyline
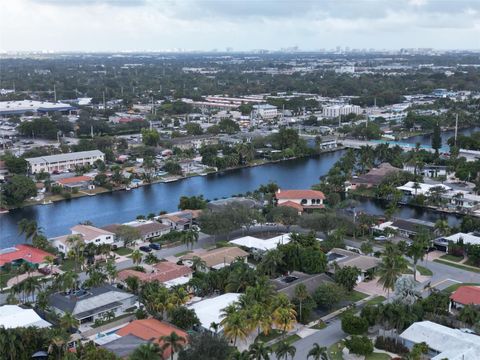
{"x":193,"y":25}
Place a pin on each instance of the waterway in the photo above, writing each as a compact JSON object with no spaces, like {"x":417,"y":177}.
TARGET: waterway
{"x":121,"y":206}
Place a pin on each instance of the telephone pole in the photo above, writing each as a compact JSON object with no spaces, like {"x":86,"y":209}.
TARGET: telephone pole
{"x":456,"y":129}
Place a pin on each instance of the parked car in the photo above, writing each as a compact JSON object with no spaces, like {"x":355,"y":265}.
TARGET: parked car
{"x":155,"y":246}
{"x":145,"y":249}
{"x":380,"y":238}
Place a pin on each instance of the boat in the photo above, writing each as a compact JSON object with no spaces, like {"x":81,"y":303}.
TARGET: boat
{"x":47,"y":202}
{"x":128,"y":188}
{"x":4,"y":211}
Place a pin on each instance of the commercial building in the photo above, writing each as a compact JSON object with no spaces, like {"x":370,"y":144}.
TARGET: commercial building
{"x":62,"y":162}
{"x":265,"y":111}
{"x":8,"y":108}
{"x":334,"y":111}
{"x":92,"y":304}
{"x":443,"y":342}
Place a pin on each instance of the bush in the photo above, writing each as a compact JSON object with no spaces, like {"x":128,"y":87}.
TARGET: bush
{"x":360,"y":345}
{"x":354,"y":325}
{"x":390,"y":345}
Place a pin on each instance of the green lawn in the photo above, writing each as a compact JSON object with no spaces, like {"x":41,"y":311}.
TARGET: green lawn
{"x":321,"y":325}
{"x":376,"y":300}
{"x":378,"y":356}
{"x":458,"y":266}
{"x":454,"y":287}
{"x":355,"y":296}
{"x":289,"y":340}
{"x":273,"y":334}
{"x":123,"y":251}
{"x":451,"y":257}
{"x":182,"y":253}
{"x":335,"y":351}
{"x":424,"y":271}
{"x":4,"y":277}
{"x":68,"y":265}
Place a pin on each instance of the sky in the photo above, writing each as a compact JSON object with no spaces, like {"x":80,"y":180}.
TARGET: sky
{"x":166,"y":25}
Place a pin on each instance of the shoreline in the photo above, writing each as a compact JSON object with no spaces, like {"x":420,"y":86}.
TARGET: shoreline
{"x":57,"y":198}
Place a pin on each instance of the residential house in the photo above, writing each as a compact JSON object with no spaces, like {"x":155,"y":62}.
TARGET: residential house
{"x":301,"y":200}
{"x":428,"y":170}
{"x":76,"y":182}
{"x":373,"y":177}
{"x":442,"y":243}
{"x":149,"y":229}
{"x":464,"y":295}
{"x":443,"y":342}
{"x":209,"y":310}
{"x":287,"y":284}
{"x":92,"y":304}
{"x":23,"y":254}
{"x":142,"y":331}
{"x":406,"y":227}
{"x":13,"y":316}
{"x":259,"y":246}
{"x":342,"y":258}
{"x":168,"y":273}
{"x":217,"y":258}
{"x":415,"y":188}
{"x":179,"y":220}
{"x":89,"y":234}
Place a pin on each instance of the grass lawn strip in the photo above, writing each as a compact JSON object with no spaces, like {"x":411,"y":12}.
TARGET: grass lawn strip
{"x":273,"y":334}
{"x":355,"y":296}
{"x":123,"y":251}
{"x":458,"y":266}
{"x":450,"y":257}
{"x":289,"y":340}
{"x":376,"y":300}
{"x":424,"y":271}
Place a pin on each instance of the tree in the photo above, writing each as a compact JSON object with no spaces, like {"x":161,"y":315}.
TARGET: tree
{"x":148,"y":351}
{"x":190,"y":237}
{"x":442,"y":227}
{"x":301,"y":294}
{"x":206,"y":346}
{"x":150,"y":137}
{"x":436,"y":139}
{"x":192,"y":203}
{"x":259,"y":351}
{"x":418,"y":350}
{"x":360,"y":345}
{"x":15,"y":165}
{"x":347,"y":276}
{"x":405,"y":290}
{"x":328,"y":294}
{"x":184,"y":318}
{"x":284,"y":349}
{"x":392,"y":266}
{"x":469,"y":315}
{"x":127,"y":234}
{"x":133,"y":284}
{"x":366,"y":248}
{"x":174,"y":342}
{"x":354,"y":325}
{"x":76,"y":245}
{"x":317,"y":352}
{"x":137,"y":257}
{"x":284,"y":314}
{"x":18,"y":189}
{"x":285,"y":215}
{"x":234,"y":326}
{"x":417,"y":249}
{"x":30,"y":229}
{"x":68,"y":322}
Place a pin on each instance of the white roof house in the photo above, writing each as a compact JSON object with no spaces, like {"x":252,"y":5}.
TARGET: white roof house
{"x":257,"y":244}
{"x":469,"y":238}
{"x":209,"y":310}
{"x":447,"y":343}
{"x":13,"y":316}
{"x":423,"y":189}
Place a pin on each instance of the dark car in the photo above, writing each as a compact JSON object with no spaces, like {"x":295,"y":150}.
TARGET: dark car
{"x":155,"y":246}
{"x":145,"y":248}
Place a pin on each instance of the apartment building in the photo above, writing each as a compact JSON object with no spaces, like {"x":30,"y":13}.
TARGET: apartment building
{"x":62,"y":162}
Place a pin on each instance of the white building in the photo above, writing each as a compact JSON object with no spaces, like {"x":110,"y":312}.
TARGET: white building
{"x":443,"y":342}
{"x":62,"y":162}
{"x":13,"y":316}
{"x":8,"y":108}
{"x":337,"y":110}
{"x":421,"y":188}
{"x":261,"y":245}
{"x":265,"y":111}
{"x":89,"y":234}
{"x":208,"y":311}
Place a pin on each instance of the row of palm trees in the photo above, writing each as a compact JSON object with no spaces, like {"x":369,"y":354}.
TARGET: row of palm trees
{"x":282,"y":350}
{"x":154,"y":351}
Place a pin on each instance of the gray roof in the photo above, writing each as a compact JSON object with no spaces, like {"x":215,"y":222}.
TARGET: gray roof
{"x":124,"y":346}
{"x":88,"y":302}
{"x":65,"y":157}
{"x":312,"y":282}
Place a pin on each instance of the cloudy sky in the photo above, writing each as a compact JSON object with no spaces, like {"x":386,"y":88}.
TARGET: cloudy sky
{"x":119,"y":25}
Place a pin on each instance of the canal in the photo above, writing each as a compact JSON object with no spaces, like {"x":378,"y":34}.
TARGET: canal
{"x":122,"y":206}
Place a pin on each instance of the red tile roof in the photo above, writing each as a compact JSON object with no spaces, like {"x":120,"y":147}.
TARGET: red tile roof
{"x":467,"y":295}
{"x":75,"y":179}
{"x":299,"y":194}
{"x":25,"y":252}
{"x":163,"y":272}
{"x":292,"y":205}
{"x":152,"y":329}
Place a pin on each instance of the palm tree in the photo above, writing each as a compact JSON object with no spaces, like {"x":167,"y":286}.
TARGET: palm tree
{"x":151,"y":259}
{"x":149,"y":351}
{"x":259,"y":351}
{"x":173,"y":341}
{"x":76,"y":245}
{"x":301,"y":293}
{"x":214,"y":326}
{"x":284,"y":350}
{"x":133,"y":284}
{"x":136,"y":257}
{"x":318,"y":352}
{"x":418,"y":248}
{"x":29,"y":286}
{"x":237,"y":355}
{"x":50,"y":261}
{"x":29,"y":228}
{"x":68,"y":321}
{"x":190,"y":237}
{"x":284,"y":315}
{"x":271,"y":261}
{"x":391,"y":268}
{"x":111,"y":270}
{"x":469,"y":315}
{"x":235,"y":326}
{"x":442,"y":227}
{"x":198,"y":264}
{"x":58,"y":346}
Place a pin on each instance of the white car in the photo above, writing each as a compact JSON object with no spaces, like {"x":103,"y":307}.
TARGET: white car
{"x":380,"y":238}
